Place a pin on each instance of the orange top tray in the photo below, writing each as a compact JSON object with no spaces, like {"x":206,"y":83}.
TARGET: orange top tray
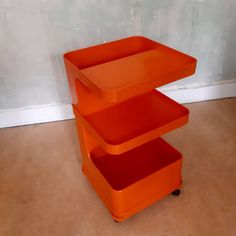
{"x":125,"y":68}
{"x":129,"y":124}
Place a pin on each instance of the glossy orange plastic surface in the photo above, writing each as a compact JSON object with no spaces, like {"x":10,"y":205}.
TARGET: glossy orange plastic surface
{"x":126,"y":169}
{"x":119,"y":70}
{"x":120,"y":118}
{"x":129,"y":124}
{"x":136,"y":178}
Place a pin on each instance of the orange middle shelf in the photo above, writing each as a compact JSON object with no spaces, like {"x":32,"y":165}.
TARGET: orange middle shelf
{"x":132,"y":123}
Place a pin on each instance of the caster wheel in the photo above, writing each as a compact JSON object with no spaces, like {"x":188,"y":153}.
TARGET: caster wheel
{"x":176,"y":192}
{"x":116,"y":221}
{"x":83,"y":171}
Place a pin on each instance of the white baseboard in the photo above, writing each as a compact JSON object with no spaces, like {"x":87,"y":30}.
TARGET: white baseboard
{"x":49,"y":113}
{"x":188,"y":94}
{"x":35,"y":114}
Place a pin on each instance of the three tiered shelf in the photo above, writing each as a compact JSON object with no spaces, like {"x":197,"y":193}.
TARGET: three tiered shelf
{"x":120,"y":118}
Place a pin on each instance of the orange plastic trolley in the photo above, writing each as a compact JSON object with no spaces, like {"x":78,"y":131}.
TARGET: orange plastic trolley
{"x":120,"y":118}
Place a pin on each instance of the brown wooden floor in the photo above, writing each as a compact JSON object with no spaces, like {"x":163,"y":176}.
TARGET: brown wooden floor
{"x":43,"y":192}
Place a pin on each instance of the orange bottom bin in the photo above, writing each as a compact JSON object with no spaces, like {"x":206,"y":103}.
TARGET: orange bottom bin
{"x":129,"y":182}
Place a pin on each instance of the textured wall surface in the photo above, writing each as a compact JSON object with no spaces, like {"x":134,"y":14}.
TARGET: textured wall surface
{"x":35,"y":34}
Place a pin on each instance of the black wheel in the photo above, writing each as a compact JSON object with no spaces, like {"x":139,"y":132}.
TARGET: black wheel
{"x":83,"y":171}
{"x":176,"y":192}
{"x":116,"y":221}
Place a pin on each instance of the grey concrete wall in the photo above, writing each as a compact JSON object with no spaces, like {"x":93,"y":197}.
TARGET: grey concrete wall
{"x":35,"y":33}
